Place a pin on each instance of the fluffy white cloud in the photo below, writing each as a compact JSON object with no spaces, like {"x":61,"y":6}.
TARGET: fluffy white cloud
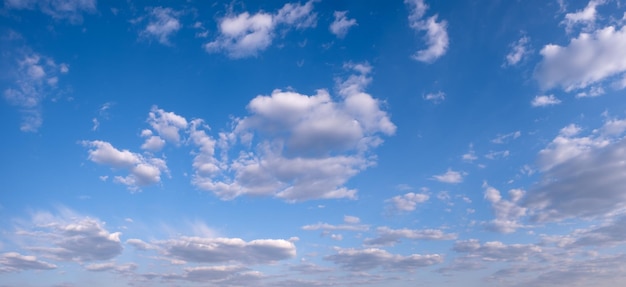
{"x":162,"y":24}
{"x":71,"y":10}
{"x":223,"y":275}
{"x":144,"y":170}
{"x":167,"y":124}
{"x":507,"y":212}
{"x":68,"y":236}
{"x":545,"y":100}
{"x":436,"y":34}
{"x":582,"y":175}
{"x":304,"y":147}
{"x":341,"y":24}
{"x":245,"y":35}
{"x":589,"y":59}
{"x":519,"y":50}
{"x":216,"y":250}
{"x":449,"y":176}
{"x":407,"y":202}
{"x":436,"y":98}
{"x":15,"y":262}
{"x":388,"y":236}
{"x":370,"y":258}
{"x":152,"y":143}
{"x":585,"y":17}
{"x":35,"y":77}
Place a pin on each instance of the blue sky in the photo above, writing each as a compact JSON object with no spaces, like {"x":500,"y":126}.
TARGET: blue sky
{"x":319,"y":143}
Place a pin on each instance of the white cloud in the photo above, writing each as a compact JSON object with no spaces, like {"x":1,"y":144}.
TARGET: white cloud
{"x":167,"y":124}
{"x":503,"y":138}
{"x":305,"y":147}
{"x":111,"y":266}
{"x":407,"y":202}
{"x":436,"y":35}
{"x":71,"y":10}
{"x":519,"y":50}
{"x":341,"y":24}
{"x":245,"y":35}
{"x":388,"y":236}
{"x":330,"y":227}
{"x":497,"y":154}
{"x":545,"y":100}
{"x":35,"y":78}
{"x":371,"y":258}
{"x":351,"y":219}
{"x":15,"y":262}
{"x":592,"y":92}
{"x":227,"y":275}
{"x":581,"y":175}
{"x":507,"y":212}
{"x":497,"y":251}
{"x":163,"y":24}
{"x":143,"y":170}
{"x":589,"y":59}
{"x":215,"y":250}
{"x":436,"y":98}
{"x":470,"y":155}
{"x":585,"y":17}
{"x":68,"y":236}
{"x":450,"y":176}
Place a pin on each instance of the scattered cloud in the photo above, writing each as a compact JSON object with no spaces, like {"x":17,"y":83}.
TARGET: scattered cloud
{"x":246,"y":35}
{"x":450,"y":176}
{"x":15,"y":262}
{"x":34,"y":77}
{"x":163,"y":23}
{"x":371,"y":258}
{"x":341,"y":25}
{"x":496,"y":250}
{"x":144,"y":170}
{"x":436,"y":34}
{"x":71,"y":10}
{"x":388,"y":236}
{"x":504,"y":138}
{"x":592,"y":92}
{"x":586,"y":17}
{"x":519,"y":50}
{"x":216,"y":250}
{"x":435,"y":98}
{"x":507,"y":212}
{"x":330,"y":227}
{"x":68,"y":236}
{"x":570,"y":67}
{"x":545,"y":100}
{"x":407,"y":202}
{"x":581,"y":175}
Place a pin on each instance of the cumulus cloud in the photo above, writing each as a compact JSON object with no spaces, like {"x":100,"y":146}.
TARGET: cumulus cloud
{"x":371,"y":258}
{"x":449,"y":176}
{"x":507,"y":212}
{"x":388,"y":236}
{"x":34,"y":78}
{"x":305,"y":147}
{"x":407,"y":202}
{"x":246,"y":35}
{"x":330,"y":227}
{"x":341,"y":25}
{"x":68,"y":236}
{"x":582,"y":176}
{"x":15,"y":262}
{"x":219,"y":250}
{"x":436,"y":34}
{"x":545,"y":100}
{"x":163,"y":23}
{"x":589,"y":59}
{"x":167,"y":124}
{"x":71,"y":10}
{"x":586,"y":17}
{"x":519,"y":50}
{"x":111,"y":266}
{"x":144,"y":170}
{"x":223,"y":275}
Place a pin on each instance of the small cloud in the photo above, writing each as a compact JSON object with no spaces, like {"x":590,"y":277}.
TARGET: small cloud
{"x":450,"y":176}
{"x":342,"y":24}
{"x":435,"y":98}
{"x":545,"y":100}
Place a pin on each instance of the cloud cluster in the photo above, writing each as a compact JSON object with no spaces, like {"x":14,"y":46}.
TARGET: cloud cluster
{"x":496,"y":251}
{"x":407,"y":202}
{"x":582,"y":175}
{"x":71,"y":10}
{"x":341,"y":25}
{"x":68,"y":236}
{"x":507,"y":212}
{"x":519,"y":50}
{"x":35,"y":78}
{"x":15,"y":262}
{"x":245,"y":35}
{"x":371,"y":258}
{"x":163,"y":23}
{"x":436,"y":34}
{"x":388,"y":236}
